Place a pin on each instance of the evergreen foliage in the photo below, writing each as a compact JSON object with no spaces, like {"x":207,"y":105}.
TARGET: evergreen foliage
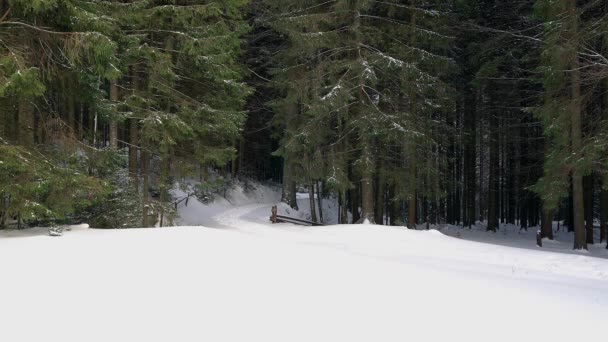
{"x":407,"y":111}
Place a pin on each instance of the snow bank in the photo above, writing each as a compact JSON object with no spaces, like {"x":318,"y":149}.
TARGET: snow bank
{"x":251,"y":280}
{"x":263,"y":282}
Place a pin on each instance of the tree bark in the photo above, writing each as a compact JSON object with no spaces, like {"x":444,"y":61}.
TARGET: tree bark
{"x":343,"y":208}
{"x":588,"y":198}
{"x":394,"y":207}
{"x":289,"y":185}
{"x":113,"y":123}
{"x":546,"y":228}
{"x":380,"y":193}
{"x":580,"y":241}
{"x":133,"y":153}
{"x":164,"y":185}
{"x":320,"y":201}
{"x":411,"y":147}
{"x":469,"y":157}
{"x":145,"y":191}
{"x":367,"y":188}
{"x":604,"y":190}
{"x":603,"y":215}
{"x":493,"y":180}
{"x":311,"y":198}
{"x":353,"y":200}
{"x":134,"y":135}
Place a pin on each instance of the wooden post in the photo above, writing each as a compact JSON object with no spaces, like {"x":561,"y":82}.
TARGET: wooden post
{"x":274,"y":214}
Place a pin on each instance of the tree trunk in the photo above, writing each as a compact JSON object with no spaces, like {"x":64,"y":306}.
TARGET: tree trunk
{"x":493,"y":181}
{"x":164,"y":185}
{"x":133,"y":158}
{"x":525,"y":208}
{"x":604,"y":189}
{"x":380,"y":192}
{"x":546,"y":229}
{"x":517,"y":176}
{"x":113,"y":123}
{"x":411,"y":147}
{"x":134,"y":137}
{"x":145,"y":163}
{"x":367,"y":188}
{"x":311,"y":201}
{"x":320,"y":201}
{"x":603,"y":215}
{"x":354,"y":202}
{"x":469,"y":157}
{"x":394,"y":208}
{"x":289,"y":185}
{"x":580,"y":240}
{"x":588,"y":198}
{"x":570,"y":214}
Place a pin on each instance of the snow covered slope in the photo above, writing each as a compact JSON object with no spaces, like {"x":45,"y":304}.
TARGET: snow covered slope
{"x":255,"y":281}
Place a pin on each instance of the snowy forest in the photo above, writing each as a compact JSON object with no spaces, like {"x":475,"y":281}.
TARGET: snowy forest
{"x":303,"y":170}
{"x":407,"y":113}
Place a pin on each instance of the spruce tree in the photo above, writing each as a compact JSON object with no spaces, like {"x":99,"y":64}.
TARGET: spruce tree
{"x":365,"y":75}
{"x":562,"y":111}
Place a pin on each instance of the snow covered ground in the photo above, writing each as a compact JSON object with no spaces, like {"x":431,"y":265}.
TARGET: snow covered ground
{"x":239,"y":278}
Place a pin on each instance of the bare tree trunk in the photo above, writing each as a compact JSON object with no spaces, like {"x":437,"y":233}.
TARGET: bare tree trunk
{"x":134,"y":137}
{"x":113,"y":123}
{"x":493,"y":181}
{"x":311,"y":201}
{"x":394,"y":210}
{"x":588,"y":200}
{"x":469,"y":158}
{"x":289,"y":185}
{"x":343,"y":208}
{"x":354,"y":202}
{"x":380,"y":193}
{"x":546,"y":228}
{"x":411,"y":147}
{"x":517,"y":177}
{"x":145,"y":163}
{"x":133,"y":158}
{"x":604,"y":215}
{"x":367,"y":188}
{"x":580,"y":240}
{"x":320,"y":201}
{"x":164,"y":185}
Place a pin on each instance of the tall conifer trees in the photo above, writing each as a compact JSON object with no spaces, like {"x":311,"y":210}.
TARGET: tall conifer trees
{"x":406,"y":112}
{"x":160,"y":77}
{"x":366,"y":75}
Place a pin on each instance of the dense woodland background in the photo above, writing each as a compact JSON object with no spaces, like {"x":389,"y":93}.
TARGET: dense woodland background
{"x":408,"y":112}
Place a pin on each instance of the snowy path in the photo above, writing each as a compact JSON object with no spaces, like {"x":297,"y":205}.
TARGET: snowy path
{"x":254,"y":281}
{"x":235,"y":218}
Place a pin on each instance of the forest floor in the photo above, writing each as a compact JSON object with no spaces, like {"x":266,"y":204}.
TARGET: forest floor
{"x":233,"y":276}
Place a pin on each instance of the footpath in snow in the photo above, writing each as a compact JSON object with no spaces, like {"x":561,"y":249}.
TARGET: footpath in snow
{"x":240,"y":278}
